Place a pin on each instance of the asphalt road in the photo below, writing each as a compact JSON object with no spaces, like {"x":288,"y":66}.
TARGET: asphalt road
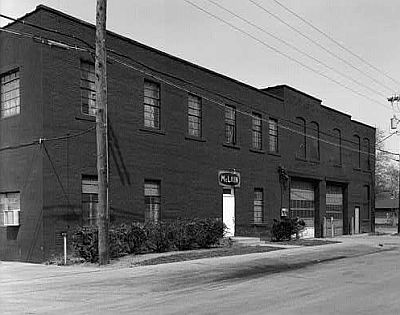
{"x":359,"y":276}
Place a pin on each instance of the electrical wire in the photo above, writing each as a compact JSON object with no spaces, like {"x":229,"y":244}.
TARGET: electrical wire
{"x":209,"y":99}
{"x":319,"y":45}
{"x":295,"y":48}
{"x":284,"y":54}
{"x":336,"y":42}
{"x":177,"y":78}
{"x":56,"y":174}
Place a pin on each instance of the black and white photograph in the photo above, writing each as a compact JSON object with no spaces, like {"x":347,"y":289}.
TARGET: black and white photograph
{"x":199,"y":157}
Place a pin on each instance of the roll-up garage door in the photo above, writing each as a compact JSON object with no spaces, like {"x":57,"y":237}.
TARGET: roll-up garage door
{"x":302,"y":204}
{"x":334,"y":210}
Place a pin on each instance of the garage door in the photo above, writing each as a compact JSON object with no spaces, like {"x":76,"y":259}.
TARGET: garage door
{"x":334,"y":210}
{"x":302,"y":204}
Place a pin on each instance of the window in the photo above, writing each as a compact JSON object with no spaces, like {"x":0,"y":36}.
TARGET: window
{"x":152,"y":200}
{"x":151,"y":103}
{"x":258,"y":205}
{"x":88,"y":89}
{"x":230,"y":125}
{"x":357,"y":152}
{"x":273,"y":135}
{"x":10,"y":207}
{"x":337,"y":140}
{"x":366,"y":155}
{"x":10,"y":95}
{"x":256,"y":132}
{"x":90,"y":198}
{"x":314,"y":141}
{"x":194,"y":116}
{"x":301,"y":149}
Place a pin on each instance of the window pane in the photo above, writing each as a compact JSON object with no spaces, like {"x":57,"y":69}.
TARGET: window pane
{"x":88,"y":89}
{"x":10,"y":95}
{"x":152,"y":197}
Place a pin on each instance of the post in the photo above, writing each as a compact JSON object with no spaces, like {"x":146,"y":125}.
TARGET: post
{"x":64,"y":235}
{"x":398,"y":196}
{"x":101,"y":130}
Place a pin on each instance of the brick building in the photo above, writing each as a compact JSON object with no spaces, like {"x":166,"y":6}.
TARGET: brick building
{"x":177,"y":132}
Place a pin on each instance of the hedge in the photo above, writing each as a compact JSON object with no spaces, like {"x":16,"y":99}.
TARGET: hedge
{"x":181,"y":234}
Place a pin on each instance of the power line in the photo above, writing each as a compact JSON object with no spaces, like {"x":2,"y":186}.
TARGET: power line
{"x":336,"y":42}
{"x":319,"y":45}
{"x":295,"y":48}
{"x":55,"y":173}
{"x":46,"y":29}
{"x":45,"y":41}
{"x":285,"y":55}
{"x":209,"y":99}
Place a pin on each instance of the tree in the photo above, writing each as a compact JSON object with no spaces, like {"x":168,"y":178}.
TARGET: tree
{"x":386,"y":169}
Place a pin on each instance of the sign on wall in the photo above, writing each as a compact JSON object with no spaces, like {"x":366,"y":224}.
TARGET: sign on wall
{"x":229,"y":178}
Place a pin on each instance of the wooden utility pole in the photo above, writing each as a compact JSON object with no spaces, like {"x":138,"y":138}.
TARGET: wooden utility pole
{"x":101,"y":131}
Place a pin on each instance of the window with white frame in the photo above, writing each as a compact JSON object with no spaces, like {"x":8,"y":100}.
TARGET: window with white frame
{"x":88,"y":89}
{"x":152,"y":200}
{"x":256,"y":131}
{"x":10,"y":208}
{"x":273,"y":135}
{"x":10,"y":94}
{"x":230,"y":125}
{"x":151,"y":103}
{"x":90,"y":199}
{"x":194,"y":116}
{"x":258,"y":205}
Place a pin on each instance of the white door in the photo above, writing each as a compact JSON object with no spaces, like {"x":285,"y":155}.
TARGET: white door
{"x":356,"y":220}
{"x":228,"y":210}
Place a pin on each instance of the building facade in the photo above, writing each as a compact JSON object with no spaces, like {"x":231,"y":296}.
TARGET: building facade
{"x":183,"y":141}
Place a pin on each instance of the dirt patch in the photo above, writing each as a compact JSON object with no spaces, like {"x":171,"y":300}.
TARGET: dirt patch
{"x":306,"y":242}
{"x":217,"y":252}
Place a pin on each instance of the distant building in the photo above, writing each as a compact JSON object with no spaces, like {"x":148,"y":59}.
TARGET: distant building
{"x":184,"y":141}
{"x":386,"y":211}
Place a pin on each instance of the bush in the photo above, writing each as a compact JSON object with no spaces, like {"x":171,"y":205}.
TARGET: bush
{"x":158,"y":236}
{"x":181,"y":234}
{"x":284,"y":229}
{"x":137,"y":238}
{"x":85,"y":244}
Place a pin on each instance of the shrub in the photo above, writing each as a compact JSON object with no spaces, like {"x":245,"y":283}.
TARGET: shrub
{"x":85,"y":244}
{"x":137,"y":238}
{"x":158,"y":236}
{"x":181,"y":234}
{"x":209,"y":232}
{"x":284,"y":229}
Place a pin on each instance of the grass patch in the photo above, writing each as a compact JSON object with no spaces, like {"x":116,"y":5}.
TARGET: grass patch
{"x":217,"y":252}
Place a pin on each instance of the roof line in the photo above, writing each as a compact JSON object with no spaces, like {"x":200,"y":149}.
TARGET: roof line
{"x":74,"y":19}
{"x":294,"y":89}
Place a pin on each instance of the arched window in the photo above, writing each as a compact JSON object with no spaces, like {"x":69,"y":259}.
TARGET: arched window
{"x":357,"y":152}
{"x":301,"y":148}
{"x":314,"y":141}
{"x":366,"y":154}
{"x":337,"y":150}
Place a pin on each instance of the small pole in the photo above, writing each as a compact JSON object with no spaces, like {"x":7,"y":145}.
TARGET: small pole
{"x":332,"y":228}
{"x":64,"y":234}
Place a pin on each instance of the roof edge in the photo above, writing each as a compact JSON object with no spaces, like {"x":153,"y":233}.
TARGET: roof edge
{"x":293,"y":89}
{"x":129,"y":40}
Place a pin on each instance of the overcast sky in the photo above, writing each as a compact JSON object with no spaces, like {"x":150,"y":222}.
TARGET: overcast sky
{"x":368,"y":28}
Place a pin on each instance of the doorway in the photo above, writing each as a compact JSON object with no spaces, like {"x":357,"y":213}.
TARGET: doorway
{"x":357,"y":220}
{"x":228,"y":210}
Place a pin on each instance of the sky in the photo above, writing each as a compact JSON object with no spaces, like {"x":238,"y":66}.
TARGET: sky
{"x":367,"y":28}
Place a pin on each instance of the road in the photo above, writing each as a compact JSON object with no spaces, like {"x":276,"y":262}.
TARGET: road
{"x":355,"y":277}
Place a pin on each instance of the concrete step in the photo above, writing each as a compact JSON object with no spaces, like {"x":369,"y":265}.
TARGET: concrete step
{"x":247,"y":241}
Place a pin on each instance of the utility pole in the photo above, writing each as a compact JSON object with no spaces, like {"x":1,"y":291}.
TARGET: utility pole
{"x":393,"y":125}
{"x":101,"y":130}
